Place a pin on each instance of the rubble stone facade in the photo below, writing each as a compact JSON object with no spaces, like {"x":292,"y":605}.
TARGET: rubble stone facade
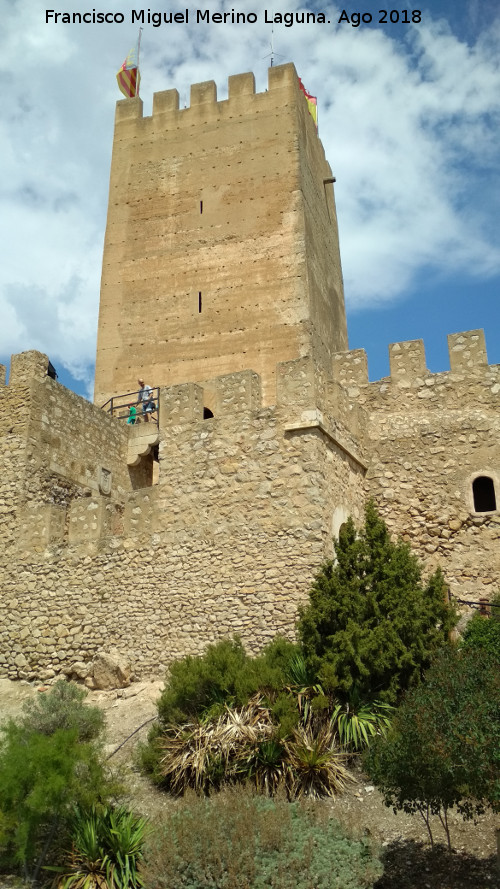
{"x":154,"y":540}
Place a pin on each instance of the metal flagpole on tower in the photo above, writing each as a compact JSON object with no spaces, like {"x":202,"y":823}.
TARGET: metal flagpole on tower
{"x":272,"y":54}
{"x":138,"y":53}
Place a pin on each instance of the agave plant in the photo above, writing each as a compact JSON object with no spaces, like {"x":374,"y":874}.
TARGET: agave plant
{"x":316,"y":765}
{"x":87,"y":862}
{"x":357,"y":723}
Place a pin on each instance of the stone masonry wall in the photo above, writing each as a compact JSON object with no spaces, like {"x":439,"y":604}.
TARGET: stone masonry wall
{"x":428,"y":436}
{"x":227,"y":541}
{"x":14,"y":420}
{"x":245,"y":504}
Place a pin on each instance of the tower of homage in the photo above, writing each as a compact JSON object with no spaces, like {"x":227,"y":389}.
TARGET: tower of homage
{"x":222,"y":289}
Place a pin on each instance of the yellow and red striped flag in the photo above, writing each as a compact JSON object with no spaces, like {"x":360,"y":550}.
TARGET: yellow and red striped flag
{"x":128,"y":77}
{"x":312,"y":103}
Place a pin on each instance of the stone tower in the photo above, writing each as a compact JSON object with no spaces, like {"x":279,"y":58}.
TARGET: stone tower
{"x":221,"y":250}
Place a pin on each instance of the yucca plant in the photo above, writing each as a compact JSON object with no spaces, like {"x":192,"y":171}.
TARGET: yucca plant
{"x":203,"y":755}
{"x":357,"y":723}
{"x":124,"y":841}
{"x":87,"y":862}
{"x":303,"y":684}
{"x":266,"y":766}
{"x":106,"y":851}
{"x":316,"y":765}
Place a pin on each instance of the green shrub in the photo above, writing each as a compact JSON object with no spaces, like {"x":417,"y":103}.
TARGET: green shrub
{"x":285,"y":714}
{"x":200,"y":686}
{"x":443,"y":748}
{"x":196,"y":683}
{"x":50,"y":761}
{"x":63,"y":708}
{"x":484,"y":632}
{"x":238,"y":841}
{"x":371,"y":627}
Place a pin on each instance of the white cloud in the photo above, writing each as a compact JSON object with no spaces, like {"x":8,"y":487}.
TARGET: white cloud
{"x":409,"y":125}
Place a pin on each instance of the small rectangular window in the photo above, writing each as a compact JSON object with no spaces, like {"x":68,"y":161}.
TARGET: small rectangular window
{"x":201,"y":206}
{"x":199,"y":301}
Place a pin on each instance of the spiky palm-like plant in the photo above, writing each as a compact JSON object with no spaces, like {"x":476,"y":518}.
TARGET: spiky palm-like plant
{"x":316,"y":765}
{"x":201,"y":755}
{"x":124,"y":841}
{"x":106,"y":851}
{"x":266,"y":765}
{"x":86,"y":867}
{"x":303,"y":684}
{"x":356,"y":724}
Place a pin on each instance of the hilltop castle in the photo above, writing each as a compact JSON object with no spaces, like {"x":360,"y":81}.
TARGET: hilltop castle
{"x":222,"y":286}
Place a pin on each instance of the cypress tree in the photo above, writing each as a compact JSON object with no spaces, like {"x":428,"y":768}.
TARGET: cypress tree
{"x":371,"y":625}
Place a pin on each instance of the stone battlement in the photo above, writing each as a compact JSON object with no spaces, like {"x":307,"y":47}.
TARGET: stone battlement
{"x":467,"y":352}
{"x":203,"y":98}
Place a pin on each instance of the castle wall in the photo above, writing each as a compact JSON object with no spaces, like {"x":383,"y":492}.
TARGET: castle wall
{"x":221,"y":249}
{"x":429,"y":435}
{"x":245,"y":504}
{"x":227,"y":541}
{"x":13,"y":425}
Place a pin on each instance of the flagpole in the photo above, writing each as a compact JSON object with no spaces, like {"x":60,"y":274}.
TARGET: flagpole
{"x":138,"y":53}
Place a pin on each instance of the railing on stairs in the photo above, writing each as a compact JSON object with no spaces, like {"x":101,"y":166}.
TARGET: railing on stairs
{"x":132,"y":410}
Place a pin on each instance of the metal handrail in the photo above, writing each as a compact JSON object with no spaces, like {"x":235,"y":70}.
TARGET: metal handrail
{"x":121,"y":402}
{"x":484,"y":606}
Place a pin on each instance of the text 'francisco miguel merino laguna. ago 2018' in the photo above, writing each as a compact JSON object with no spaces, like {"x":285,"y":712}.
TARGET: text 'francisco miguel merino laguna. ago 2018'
{"x":196,"y":16}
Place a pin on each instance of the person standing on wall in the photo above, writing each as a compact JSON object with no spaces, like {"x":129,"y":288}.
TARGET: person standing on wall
{"x":146,"y":399}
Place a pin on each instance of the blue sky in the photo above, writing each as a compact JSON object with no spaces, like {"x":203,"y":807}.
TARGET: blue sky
{"x":409,"y":117}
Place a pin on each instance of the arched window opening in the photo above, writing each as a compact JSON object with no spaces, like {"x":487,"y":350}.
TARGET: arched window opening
{"x":207,"y":413}
{"x":342,"y":529}
{"x":483,"y":492}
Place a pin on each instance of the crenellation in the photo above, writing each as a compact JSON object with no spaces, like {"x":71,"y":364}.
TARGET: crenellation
{"x":470,"y":374}
{"x":128,"y":109}
{"x":166,"y":102}
{"x":28,"y":366}
{"x":241,"y":85}
{"x":351,"y":369}
{"x":407,"y":362}
{"x":203,"y":93}
{"x":282,"y":77}
{"x":234,"y":393}
{"x":467,"y":352}
{"x":181,"y":404}
{"x":296,"y":382}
